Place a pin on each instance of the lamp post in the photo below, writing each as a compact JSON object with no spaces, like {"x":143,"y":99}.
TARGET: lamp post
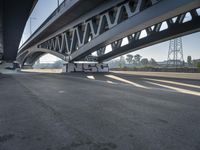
{"x":31,"y":19}
{"x":58,"y":2}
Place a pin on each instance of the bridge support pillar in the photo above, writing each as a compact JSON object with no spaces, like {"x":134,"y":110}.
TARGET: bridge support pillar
{"x":85,"y":67}
{"x":1,"y":30}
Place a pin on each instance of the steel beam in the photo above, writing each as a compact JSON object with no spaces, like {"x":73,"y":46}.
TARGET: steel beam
{"x":60,"y":18}
{"x":80,"y":38}
{"x":93,"y":25}
{"x":162,"y":11}
{"x":174,"y":30}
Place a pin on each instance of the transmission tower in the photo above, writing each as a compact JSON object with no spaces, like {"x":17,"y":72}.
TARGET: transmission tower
{"x":175,"y":53}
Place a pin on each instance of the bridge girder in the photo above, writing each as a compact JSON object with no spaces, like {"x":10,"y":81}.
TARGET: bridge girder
{"x":121,"y":21}
{"x":13,"y":17}
{"x":172,"y":28}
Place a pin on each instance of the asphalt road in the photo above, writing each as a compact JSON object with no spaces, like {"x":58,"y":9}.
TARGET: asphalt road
{"x":98,"y":112}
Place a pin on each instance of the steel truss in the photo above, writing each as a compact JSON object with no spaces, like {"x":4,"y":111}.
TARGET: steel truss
{"x":80,"y":41}
{"x":74,"y":38}
{"x":168,"y":29}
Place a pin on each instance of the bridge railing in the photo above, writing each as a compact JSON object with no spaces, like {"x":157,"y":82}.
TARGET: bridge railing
{"x":53,"y":14}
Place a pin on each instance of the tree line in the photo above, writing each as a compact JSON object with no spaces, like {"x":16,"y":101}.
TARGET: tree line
{"x":137,"y":60}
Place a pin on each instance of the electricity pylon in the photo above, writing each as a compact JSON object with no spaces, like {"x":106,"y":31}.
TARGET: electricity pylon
{"x":175,"y":53}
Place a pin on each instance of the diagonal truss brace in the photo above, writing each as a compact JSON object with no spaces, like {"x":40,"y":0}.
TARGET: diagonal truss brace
{"x":76,"y":37}
{"x":177,"y":26}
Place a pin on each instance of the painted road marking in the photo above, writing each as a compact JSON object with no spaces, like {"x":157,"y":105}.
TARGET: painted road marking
{"x":173,"y":82}
{"x":126,"y":81}
{"x":91,"y":77}
{"x":176,"y":89}
{"x":111,"y":82}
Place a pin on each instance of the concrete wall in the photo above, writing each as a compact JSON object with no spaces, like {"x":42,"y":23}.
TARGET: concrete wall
{"x":1,"y":29}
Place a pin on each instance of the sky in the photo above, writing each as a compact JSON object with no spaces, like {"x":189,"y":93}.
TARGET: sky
{"x":191,"y":43}
{"x":191,"y":46}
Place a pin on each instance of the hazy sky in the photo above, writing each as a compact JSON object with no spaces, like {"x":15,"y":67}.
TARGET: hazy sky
{"x":191,"y":46}
{"x":191,"y":43}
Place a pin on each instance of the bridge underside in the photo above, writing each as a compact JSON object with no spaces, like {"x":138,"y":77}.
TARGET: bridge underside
{"x":101,"y":34}
{"x":160,"y":32}
{"x":13,"y":17}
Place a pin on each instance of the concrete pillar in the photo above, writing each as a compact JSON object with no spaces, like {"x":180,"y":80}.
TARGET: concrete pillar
{"x":1,"y":29}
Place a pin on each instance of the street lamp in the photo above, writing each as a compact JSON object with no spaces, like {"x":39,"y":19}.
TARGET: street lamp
{"x":58,"y":2}
{"x":31,"y":18}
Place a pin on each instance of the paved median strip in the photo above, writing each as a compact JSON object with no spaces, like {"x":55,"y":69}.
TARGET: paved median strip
{"x":176,"y":89}
{"x":173,"y":82}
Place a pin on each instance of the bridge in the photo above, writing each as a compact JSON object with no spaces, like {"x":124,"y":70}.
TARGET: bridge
{"x":13,"y":17}
{"x":103,"y":30}
{"x":116,"y":110}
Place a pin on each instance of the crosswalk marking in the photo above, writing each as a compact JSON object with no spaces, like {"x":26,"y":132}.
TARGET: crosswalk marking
{"x":173,"y":82}
{"x":126,"y":81}
{"x":176,"y":89}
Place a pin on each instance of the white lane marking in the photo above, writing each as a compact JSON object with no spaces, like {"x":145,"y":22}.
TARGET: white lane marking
{"x":176,"y":89}
{"x":91,"y":77}
{"x":172,"y":82}
{"x":111,"y":82}
{"x":126,"y":81}
{"x":61,"y":92}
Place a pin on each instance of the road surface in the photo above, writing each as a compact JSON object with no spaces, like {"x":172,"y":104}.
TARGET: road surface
{"x":98,"y":112}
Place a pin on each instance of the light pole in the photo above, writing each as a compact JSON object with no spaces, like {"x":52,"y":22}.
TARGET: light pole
{"x":58,"y":2}
{"x":31,"y":19}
